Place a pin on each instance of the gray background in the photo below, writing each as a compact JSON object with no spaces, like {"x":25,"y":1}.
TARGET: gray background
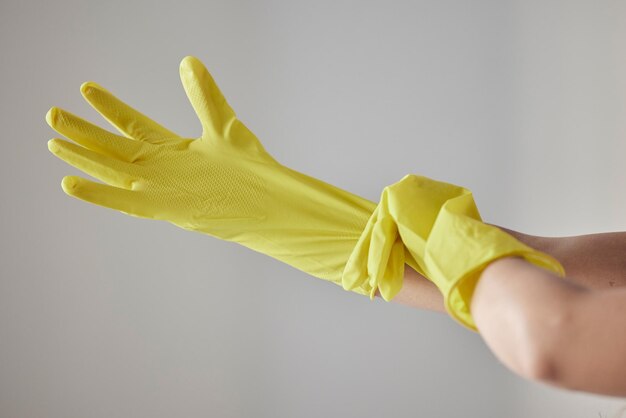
{"x":105,"y":315}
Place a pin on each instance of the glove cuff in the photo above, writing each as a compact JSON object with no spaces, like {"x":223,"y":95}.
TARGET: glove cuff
{"x":436,"y":228}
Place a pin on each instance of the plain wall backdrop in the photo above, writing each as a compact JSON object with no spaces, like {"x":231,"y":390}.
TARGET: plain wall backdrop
{"x":105,"y":315}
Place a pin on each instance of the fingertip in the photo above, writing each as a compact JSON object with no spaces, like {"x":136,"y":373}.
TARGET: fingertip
{"x":51,"y":115}
{"x":89,"y":87}
{"x":53,"y":146}
{"x":188,"y":62}
{"x":192,"y":68}
{"x":70,"y":184}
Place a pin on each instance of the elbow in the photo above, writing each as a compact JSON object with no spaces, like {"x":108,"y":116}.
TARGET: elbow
{"x":538,"y":366}
{"x":526,"y":320}
{"x":545,"y":341}
{"x":529,"y":360}
{"x":525,"y":347}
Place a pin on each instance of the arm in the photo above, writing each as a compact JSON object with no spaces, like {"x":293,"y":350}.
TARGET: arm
{"x":593,"y":261}
{"x":552,"y":330}
{"x":549,"y":330}
{"x":419,"y":292}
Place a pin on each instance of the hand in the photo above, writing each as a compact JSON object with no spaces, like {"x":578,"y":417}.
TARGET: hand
{"x":224,"y":183}
{"x":189,"y":182}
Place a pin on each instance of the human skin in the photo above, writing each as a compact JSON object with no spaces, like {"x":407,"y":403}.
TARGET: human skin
{"x":567,"y":332}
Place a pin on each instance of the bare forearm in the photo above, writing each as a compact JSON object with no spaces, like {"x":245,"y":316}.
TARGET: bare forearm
{"x":419,"y":292}
{"x":595,"y":261}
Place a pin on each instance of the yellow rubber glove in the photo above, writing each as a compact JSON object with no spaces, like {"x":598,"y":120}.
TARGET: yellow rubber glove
{"x":223,"y":184}
{"x":434,"y":227}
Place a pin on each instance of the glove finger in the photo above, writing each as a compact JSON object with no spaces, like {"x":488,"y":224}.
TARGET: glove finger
{"x":206,"y":99}
{"x":126,"y":201}
{"x":355,"y":272}
{"x":130,"y":122}
{"x":385,"y":263}
{"x":107,"y":169}
{"x":93,"y":137}
{"x":391,"y":282}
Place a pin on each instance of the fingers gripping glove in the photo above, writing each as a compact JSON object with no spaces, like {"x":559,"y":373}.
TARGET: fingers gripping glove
{"x":434,"y":227}
{"x":224,"y":184}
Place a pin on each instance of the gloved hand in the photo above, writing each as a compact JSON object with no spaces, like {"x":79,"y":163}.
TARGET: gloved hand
{"x":223,"y":184}
{"x":434,"y":227}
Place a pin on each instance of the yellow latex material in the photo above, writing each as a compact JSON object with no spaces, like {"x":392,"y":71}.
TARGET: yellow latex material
{"x":224,"y":183}
{"x":434,"y":227}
